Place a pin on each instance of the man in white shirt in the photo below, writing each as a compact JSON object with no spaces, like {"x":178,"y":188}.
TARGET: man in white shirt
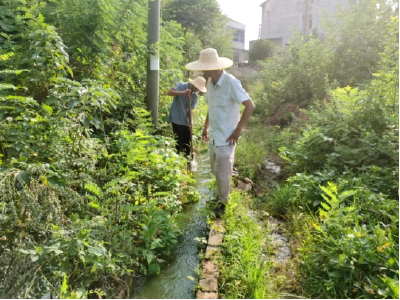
{"x":223,"y":125}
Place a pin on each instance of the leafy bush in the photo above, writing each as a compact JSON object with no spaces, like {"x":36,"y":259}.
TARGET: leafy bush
{"x":302,"y":74}
{"x":293,"y":79}
{"x":205,"y":23}
{"x":346,"y":138}
{"x":89,"y":190}
{"x":357,"y":130}
{"x":256,"y":144}
{"x":260,"y":50}
{"x":352,"y":253}
{"x":356,"y":37}
{"x":344,"y":167}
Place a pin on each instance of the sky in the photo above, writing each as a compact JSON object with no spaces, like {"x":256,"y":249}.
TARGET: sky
{"x":247,"y":12}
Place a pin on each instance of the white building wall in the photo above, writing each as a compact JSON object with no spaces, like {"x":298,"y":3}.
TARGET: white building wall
{"x":320,"y":9}
{"x":232,"y":24}
{"x":280,"y":18}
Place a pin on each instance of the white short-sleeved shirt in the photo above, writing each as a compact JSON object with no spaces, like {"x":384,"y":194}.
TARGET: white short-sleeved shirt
{"x":224,"y":99}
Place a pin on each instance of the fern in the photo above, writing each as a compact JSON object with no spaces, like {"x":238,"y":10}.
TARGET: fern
{"x":13,"y":72}
{"x":7,"y":86}
{"x":93,"y":188}
{"x":6,"y":56}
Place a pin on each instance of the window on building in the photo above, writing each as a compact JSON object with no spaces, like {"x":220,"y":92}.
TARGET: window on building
{"x":236,"y":57}
{"x":238,"y":36}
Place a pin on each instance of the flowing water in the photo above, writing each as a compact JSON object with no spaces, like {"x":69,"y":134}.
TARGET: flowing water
{"x":173,"y":281}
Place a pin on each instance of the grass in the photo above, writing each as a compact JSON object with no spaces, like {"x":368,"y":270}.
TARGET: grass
{"x":257,"y":143}
{"x":247,"y":267}
{"x":245,"y":273}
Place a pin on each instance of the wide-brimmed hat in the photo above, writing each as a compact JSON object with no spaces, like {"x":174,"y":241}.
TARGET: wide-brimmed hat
{"x":209,"y":60}
{"x":200,"y":83}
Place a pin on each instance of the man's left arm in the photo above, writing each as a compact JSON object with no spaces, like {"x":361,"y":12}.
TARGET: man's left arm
{"x":248,"y":111}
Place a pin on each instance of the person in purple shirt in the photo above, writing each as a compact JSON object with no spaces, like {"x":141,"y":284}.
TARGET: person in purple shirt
{"x":179,"y":112}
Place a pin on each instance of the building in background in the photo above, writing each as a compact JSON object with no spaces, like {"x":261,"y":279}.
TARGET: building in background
{"x":239,"y":52}
{"x":280,"y":18}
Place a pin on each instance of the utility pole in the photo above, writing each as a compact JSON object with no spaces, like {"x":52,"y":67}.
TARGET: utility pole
{"x":153,"y":63}
{"x":305,"y":20}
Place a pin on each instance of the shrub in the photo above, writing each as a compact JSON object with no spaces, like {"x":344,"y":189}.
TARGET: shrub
{"x":89,"y":191}
{"x":351,"y":253}
{"x":296,"y":77}
{"x":260,"y":50}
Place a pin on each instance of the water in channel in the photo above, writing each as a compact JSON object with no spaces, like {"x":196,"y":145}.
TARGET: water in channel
{"x":173,"y":281}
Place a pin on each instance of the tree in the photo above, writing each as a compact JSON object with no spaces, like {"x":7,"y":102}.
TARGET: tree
{"x":204,"y":19}
{"x":199,"y":16}
{"x":260,"y":50}
{"x":356,"y":37}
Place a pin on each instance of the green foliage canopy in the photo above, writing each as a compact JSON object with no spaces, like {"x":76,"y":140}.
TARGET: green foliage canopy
{"x":204,"y":19}
{"x":261,"y":50}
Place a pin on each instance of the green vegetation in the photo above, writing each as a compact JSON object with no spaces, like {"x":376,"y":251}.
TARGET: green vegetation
{"x":89,"y":188}
{"x":203,"y":20}
{"x":245,"y":271}
{"x":335,"y":127}
{"x":304,"y":73}
{"x":261,"y":50}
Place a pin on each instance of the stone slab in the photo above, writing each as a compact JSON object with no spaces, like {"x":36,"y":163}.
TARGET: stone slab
{"x":215,"y":239}
{"x":208,"y":283}
{"x":217,"y":226}
{"x":211,"y":251}
{"x":206,"y":295}
{"x":210,"y":268}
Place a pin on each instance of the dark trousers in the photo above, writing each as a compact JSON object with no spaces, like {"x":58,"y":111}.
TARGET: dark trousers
{"x":182,"y":137}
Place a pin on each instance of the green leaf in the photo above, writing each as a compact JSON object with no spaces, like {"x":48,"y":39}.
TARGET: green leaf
{"x":98,"y":123}
{"x":7,"y":86}
{"x":47,"y":108}
{"x":347,"y":194}
{"x":51,"y":100}
{"x":22,"y":180}
{"x":150,"y":257}
{"x":154,"y":269}
{"x":325,"y":206}
{"x":94,"y":267}
{"x":156,"y":244}
{"x":56,"y":181}
{"x":6,"y":56}
{"x":71,"y":104}
{"x":97,"y":250}
{"x":64,"y":286}
{"x":86,"y":121}
{"x":27,"y":251}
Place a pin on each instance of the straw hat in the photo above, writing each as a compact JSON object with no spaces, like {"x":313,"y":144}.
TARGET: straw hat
{"x":200,"y":83}
{"x":209,"y":60}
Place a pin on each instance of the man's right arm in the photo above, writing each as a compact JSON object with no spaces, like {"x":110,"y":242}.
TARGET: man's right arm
{"x":173,"y":92}
{"x":205,"y":130}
